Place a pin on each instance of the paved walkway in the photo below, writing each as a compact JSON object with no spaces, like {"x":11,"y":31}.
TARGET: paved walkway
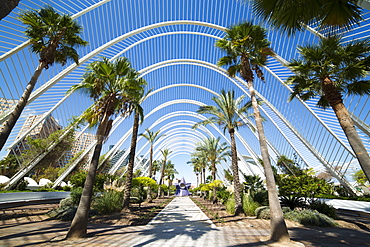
{"x":181,"y":223}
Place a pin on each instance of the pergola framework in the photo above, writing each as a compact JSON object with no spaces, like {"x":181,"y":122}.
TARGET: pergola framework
{"x":174,"y":51}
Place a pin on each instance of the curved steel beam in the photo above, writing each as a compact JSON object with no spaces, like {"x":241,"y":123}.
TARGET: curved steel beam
{"x":26,"y":43}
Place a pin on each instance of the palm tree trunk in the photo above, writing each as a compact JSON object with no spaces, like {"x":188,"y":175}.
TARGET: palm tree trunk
{"x":161,"y":178}
{"x":204,"y":175}
{"x":131,"y":161}
{"x":78,"y":227}
{"x":234,"y":165}
{"x":149,"y":195}
{"x":335,"y":100}
{"x":279,"y":231}
{"x":169,"y":186}
{"x":214,"y":178}
{"x":14,"y":116}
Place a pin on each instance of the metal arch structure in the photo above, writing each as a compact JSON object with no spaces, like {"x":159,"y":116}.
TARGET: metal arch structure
{"x":213,"y":67}
{"x":208,"y":65}
{"x":144,"y":33}
{"x":248,"y":169}
{"x":200,"y":117}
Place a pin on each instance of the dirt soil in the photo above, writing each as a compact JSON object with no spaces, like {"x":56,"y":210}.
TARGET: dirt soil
{"x":352,"y":230}
{"x":137,"y":215}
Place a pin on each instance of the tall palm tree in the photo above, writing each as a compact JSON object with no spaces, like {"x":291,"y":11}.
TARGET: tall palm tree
{"x":216,"y":153}
{"x":156,"y":167}
{"x":330,"y":70}
{"x":152,"y":137}
{"x":289,"y":15}
{"x":247,"y":48}
{"x":138,"y":119}
{"x":197,"y":168}
{"x":114,"y":88}
{"x":227,"y":114}
{"x":165,"y":152}
{"x":54,"y":37}
{"x":169,"y":173}
{"x":199,"y":160}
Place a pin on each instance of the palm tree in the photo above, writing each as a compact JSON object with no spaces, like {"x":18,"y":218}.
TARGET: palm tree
{"x":169,"y":173}
{"x":156,"y":167}
{"x":227,"y":114}
{"x":54,"y":37}
{"x":197,"y":168}
{"x":7,"y":6}
{"x":114,"y":88}
{"x":247,"y":48}
{"x":330,"y":70}
{"x":253,"y":183}
{"x":165,"y":152}
{"x":138,"y":119}
{"x":216,"y":153}
{"x":199,"y":160}
{"x":289,"y":15}
{"x":152,"y":137}
{"x":228,"y":175}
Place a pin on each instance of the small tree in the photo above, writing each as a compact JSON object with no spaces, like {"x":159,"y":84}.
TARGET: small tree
{"x":360,"y":177}
{"x":305,"y":185}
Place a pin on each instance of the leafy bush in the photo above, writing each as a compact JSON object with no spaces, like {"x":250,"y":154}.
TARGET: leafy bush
{"x":262,"y":212}
{"x":66,"y":202}
{"x":249,"y":205}
{"x":2,"y":186}
{"x":230,"y":205}
{"x":78,"y":179}
{"x":76,"y":195}
{"x":310,"y":217}
{"x":109,"y":202}
{"x":66,"y":188}
{"x":223,"y":195}
{"x":304,"y":186}
{"x":261,"y":197}
{"x":21,"y":185}
{"x":323,"y":208}
{"x":138,"y":185}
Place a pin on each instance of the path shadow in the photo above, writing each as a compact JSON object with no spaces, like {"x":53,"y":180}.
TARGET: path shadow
{"x":330,"y":236}
{"x":171,"y":225}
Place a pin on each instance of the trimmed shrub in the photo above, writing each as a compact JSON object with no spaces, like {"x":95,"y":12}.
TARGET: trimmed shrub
{"x":262,"y":212}
{"x":249,"y":205}
{"x":66,"y":202}
{"x":109,"y":202}
{"x":310,"y":217}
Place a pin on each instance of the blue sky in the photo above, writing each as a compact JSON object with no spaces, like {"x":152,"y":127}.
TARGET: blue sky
{"x":115,"y":18}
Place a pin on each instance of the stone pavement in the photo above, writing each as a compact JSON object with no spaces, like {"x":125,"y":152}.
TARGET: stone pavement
{"x":181,"y":223}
